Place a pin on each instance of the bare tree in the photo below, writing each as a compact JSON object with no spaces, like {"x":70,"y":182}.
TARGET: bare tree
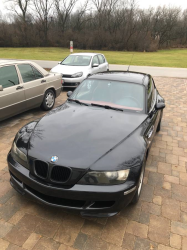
{"x":182,"y":28}
{"x":64,"y":9}
{"x":130,"y":27}
{"x":100,"y":5}
{"x":80,"y":17}
{"x":20,"y":8}
{"x":44,"y":12}
{"x":93,"y":24}
{"x":164,"y":23}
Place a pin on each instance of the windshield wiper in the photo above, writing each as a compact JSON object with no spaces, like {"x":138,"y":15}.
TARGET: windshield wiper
{"x":106,"y":107}
{"x":77,"y":101}
{"x":12,"y":82}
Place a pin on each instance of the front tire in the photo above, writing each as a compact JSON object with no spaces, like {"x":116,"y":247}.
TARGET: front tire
{"x":140,"y":184}
{"x":49,"y":100}
{"x":159,"y":125}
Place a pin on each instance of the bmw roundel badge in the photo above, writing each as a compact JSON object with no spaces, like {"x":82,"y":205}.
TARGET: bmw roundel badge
{"x":54,"y":158}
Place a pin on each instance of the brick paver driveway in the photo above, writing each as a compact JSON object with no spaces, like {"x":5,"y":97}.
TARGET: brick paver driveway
{"x":158,"y":221}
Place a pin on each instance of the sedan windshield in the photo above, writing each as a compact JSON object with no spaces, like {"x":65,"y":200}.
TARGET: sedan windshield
{"x":124,"y":95}
{"x":77,"y":60}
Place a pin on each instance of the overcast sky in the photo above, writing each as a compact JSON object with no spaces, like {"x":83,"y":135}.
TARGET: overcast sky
{"x":155,"y":3}
{"x":141,"y":3}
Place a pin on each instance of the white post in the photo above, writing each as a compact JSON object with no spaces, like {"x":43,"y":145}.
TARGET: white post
{"x":71,"y":46}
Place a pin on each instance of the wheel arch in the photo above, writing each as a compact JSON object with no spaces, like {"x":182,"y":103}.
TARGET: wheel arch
{"x":51,"y":88}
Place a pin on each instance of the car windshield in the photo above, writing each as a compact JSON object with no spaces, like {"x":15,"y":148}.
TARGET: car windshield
{"x":77,"y":60}
{"x":124,"y":95}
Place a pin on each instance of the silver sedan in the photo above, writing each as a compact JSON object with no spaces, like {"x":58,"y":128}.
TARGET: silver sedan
{"x":25,"y":85}
{"x":78,"y":66}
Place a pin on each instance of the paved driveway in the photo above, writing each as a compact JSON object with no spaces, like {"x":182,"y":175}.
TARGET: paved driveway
{"x":158,"y":221}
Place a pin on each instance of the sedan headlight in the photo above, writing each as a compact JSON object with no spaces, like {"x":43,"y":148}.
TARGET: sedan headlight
{"x":76,"y":75}
{"x":17,"y":152}
{"x":105,"y":178}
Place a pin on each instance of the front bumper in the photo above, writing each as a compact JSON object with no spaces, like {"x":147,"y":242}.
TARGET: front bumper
{"x":90,"y":200}
{"x":72,"y":82}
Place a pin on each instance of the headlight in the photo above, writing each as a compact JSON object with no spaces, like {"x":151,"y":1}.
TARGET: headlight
{"x":105,"y":178}
{"x":79,"y":74}
{"x":17,"y":152}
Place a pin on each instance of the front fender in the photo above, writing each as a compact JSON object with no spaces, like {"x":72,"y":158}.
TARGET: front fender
{"x":23,"y":136}
{"x":130,"y":153}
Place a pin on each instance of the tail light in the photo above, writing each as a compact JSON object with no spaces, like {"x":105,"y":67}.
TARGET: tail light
{"x":62,"y":81}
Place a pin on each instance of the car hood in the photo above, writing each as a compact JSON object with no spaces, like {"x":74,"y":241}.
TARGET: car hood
{"x":68,"y":70}
{"x":80,"y":135}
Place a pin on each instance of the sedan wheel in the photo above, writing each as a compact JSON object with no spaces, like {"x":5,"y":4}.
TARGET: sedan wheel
{"x":49,"y":100}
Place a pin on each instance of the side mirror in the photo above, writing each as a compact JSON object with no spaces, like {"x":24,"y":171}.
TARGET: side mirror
{"x":69,"y":93}
{"x":160,"y":104}
{"x":95,"y":65}
{"x":1,"y":88}
{"x":59,"y":62}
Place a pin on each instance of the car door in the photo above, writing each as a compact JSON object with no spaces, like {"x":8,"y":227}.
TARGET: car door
{"x":95,"y":60}
{"x":12,"y":94}
{"x":34,"y":84}
{"x":103,"y":63}
{"x":154,"y":116}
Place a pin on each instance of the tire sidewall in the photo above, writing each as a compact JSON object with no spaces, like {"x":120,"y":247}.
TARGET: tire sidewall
{"x":44,"y":106}
{"x":137,"y":196}
{"x":159,"y":124}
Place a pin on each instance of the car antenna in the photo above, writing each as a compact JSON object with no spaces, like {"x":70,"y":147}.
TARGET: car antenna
{"x":130,"y":62}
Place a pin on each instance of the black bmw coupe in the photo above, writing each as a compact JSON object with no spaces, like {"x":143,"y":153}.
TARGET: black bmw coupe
{"x":89,"y":154}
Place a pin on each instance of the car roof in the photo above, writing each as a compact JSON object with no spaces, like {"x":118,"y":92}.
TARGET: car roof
{"x":86,"y":54}
{"x":6,"y":62}
{"x":125,"y":76}
{"x":16,"y":62}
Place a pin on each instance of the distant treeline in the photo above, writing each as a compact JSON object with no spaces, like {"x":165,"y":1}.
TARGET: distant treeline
{"x":92,"y":24}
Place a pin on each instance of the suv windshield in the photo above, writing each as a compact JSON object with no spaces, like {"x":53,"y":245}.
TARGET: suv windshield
{"x":77,"y":60}
{"x":124,"y":95}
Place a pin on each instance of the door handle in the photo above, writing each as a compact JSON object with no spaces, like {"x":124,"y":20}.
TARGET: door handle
{"x":42,"y":81}
{"x":150,"y":132}
{"x":19,"y":87}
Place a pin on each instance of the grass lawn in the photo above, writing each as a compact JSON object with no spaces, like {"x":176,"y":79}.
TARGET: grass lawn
{"x":163,"y":58}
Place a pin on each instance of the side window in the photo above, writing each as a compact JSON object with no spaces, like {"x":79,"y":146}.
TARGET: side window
{"x":101,"y":59}
{"x":95,"y":60}
{"x":150,"y":94}
{"x":8,"y":76}
{"x":38,"y":75}
{"x":26,"y":72}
